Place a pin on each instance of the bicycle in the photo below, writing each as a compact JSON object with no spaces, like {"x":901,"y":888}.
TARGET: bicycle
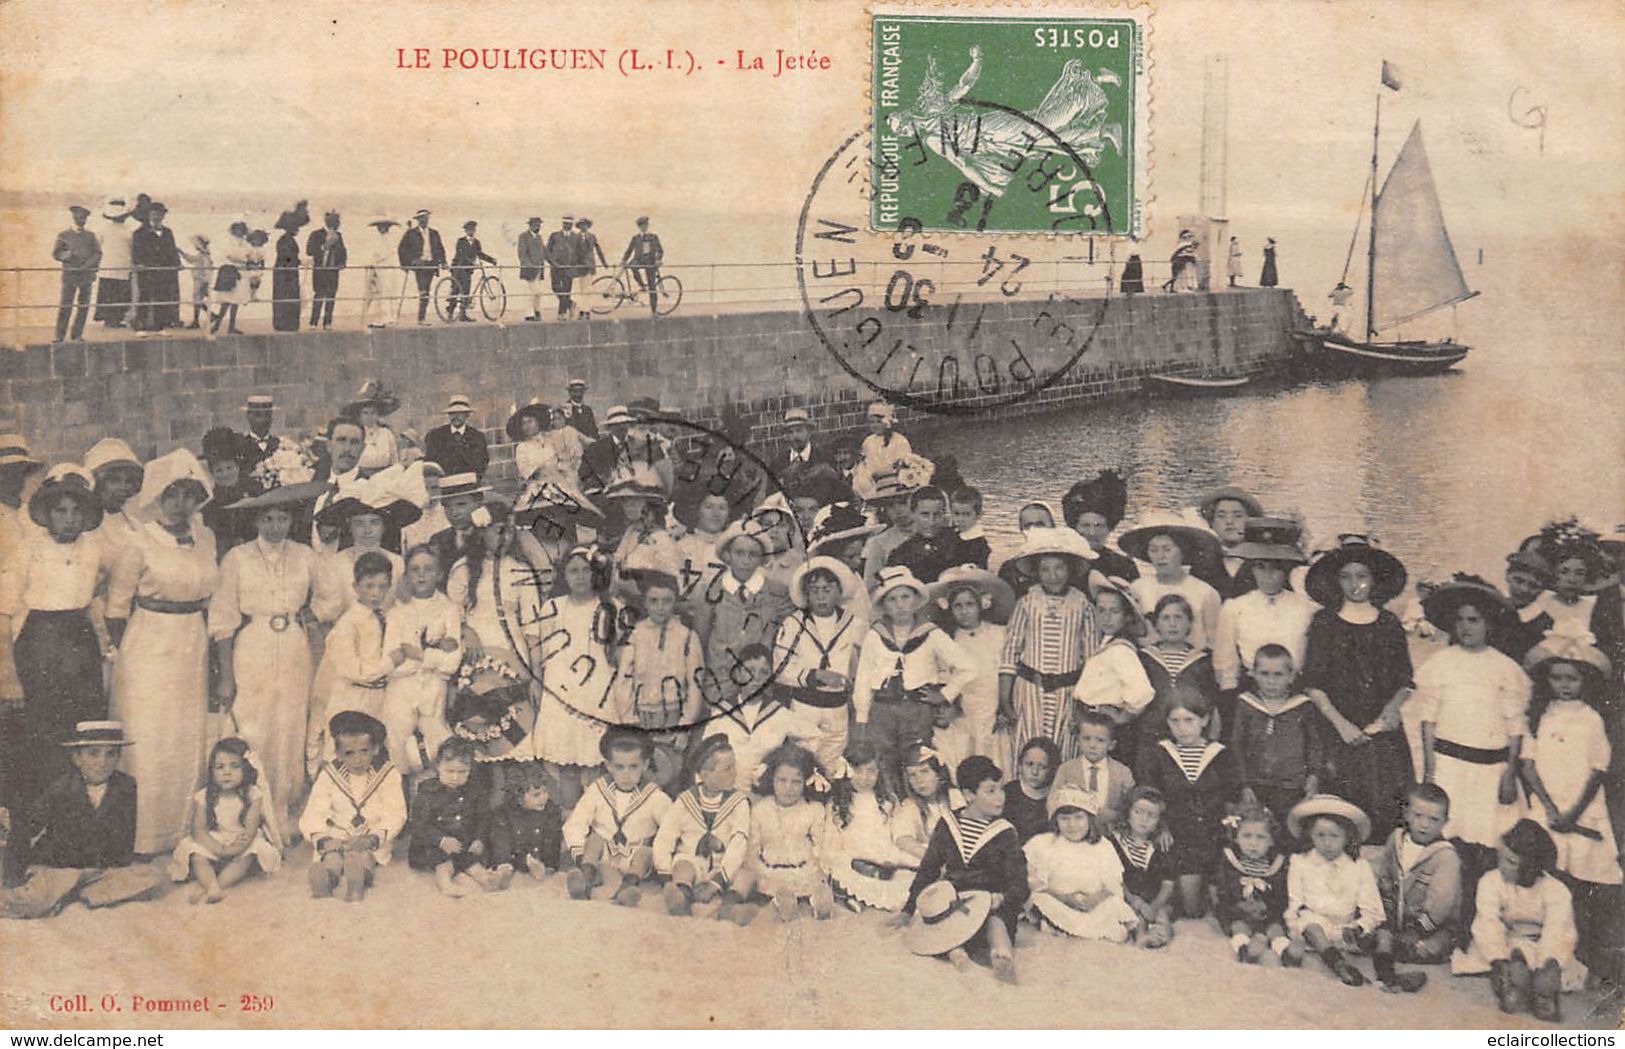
{"x":611,"y":291}
{"x":485,"y":288}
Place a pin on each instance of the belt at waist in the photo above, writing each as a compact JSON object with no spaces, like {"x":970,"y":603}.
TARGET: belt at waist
{"x":813,"y":697}
{"x":171,"y":608}
{"x":279,"y":622}
{"x":1048,"y":682}
{"x":58,"y":613}
{"x":1476,"y":755}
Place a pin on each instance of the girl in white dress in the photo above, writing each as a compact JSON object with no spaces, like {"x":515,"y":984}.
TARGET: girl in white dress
{"x":863,"y":861}
{"x":578,"y":632}
{"x":233,"y":827}
{"x":787,"y":828}
{"x":1564,"y":762}
{"x":1470,"y":700}
{"x":156,"y":600}
{"x":928,"y":794}
{"x":1075,"y":875}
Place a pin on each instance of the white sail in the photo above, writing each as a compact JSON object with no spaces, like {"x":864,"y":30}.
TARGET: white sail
{"x":1416,"y":268}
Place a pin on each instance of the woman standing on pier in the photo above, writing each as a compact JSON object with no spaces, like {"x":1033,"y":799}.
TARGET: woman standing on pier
{"x":285,"y":305}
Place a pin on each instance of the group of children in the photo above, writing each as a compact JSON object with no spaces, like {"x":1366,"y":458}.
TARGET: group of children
{"x":817,"y":699}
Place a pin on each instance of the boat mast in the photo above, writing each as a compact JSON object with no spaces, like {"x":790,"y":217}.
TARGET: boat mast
{"x":1371,"y":253}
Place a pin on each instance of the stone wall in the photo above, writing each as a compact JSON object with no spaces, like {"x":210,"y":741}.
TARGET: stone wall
{"x":159,"y":393}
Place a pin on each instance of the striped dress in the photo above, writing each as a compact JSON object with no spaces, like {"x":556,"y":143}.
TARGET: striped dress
{"x":1050,"y":635}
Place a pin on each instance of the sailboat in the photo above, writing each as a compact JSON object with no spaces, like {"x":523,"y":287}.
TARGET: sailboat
{"x":1411,"y":271}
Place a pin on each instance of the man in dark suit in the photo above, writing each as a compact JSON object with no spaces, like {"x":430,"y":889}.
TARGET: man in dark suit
{"x":532,"y":257}
{"x":1226,"y":511}
{"x":328,"y":255}
{"x":259,"y":442}
{"x":457,"y":447}
{"x":460,"y":496}
{"x":468,"y":251}
{"x":643,"y":255}
{"x":422,"y":253}
{"x":798,"y":454}
{"x":563,"y":251}
{"x":80,"y":253}
{"x":577,"y":412}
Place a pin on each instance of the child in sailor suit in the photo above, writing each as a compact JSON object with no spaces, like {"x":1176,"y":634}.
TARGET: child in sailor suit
{"x":614,"y":824}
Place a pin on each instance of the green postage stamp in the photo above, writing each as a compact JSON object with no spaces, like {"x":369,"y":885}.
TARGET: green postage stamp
{"x":1005,"y":123}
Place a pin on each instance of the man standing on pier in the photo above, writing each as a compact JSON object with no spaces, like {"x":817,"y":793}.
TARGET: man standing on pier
{"x":80,"y":253}
{"x":328,"y":255}
{"x":532,"y":256}
{"x":563,"y":246}
{"x":422,"y":253}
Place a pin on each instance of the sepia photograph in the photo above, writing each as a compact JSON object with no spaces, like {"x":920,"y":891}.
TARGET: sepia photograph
{"x":812,"y":514}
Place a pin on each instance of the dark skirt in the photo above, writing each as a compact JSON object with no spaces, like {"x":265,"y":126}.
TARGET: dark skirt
{"x":1375,"y":775}
{"x":112,"y":300}
{"x":59,"y":662}
{"x":285,"y":307}
{"x":160,"y":299}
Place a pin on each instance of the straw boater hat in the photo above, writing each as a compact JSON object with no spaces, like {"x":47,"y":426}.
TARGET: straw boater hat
{"x":851,"y":585}
{"x":998,"y":598}
{"x":946,"y":918}
{"x":1209,"y":503}
{"x":797,"y":417}
{"x":542,"y":413}
{"x":618,"y":416}
{"x":453,"y":485}
{"x":1106,"y":495}
{"x":1327,"y":805}
{"x":66,"y":481}
{"x":839,"y":523}
{"x":98,"y":734}
{"x":1196,"y":541}
{"x":107,"y":453}
{"x":892,"y":578}
{"x":1270,"y":539}
{"x":1387,"y":573}
{"x":1057,"y":542}
{"x":14,"y":452}
{"x":458,"y":402}
{"x":1441,"y":604}
{"x":374,"y":393}
{"x":259,"y":402}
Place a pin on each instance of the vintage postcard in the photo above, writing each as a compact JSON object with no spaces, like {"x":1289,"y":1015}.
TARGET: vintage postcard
{"x":811,"y":514}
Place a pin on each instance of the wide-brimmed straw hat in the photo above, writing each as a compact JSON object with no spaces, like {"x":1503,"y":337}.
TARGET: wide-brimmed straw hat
{"x":1052,"y":542}
{"x":542,"y":413}
{"x":1197,"y":542}
{"x":1441,"y":604}
{"x":14,"y":452}
{"x":1327,"y":805}
{"x":839,"y":523}
{"x":1581,"y":651}
{"x":288,"y":495}
{"x":1387,"y":572}
{"x":1270,"y":539}
{"x":945,"y":918}
{"x":997,"y":597}
{"x":851,"y":585}
{"x":895,"y":577}
{"x":373,"y":392}
{"x":98,"y":734}
{"x":1099,"y":583}
{"x":66,"y":481}
{"x":1209,"y":503}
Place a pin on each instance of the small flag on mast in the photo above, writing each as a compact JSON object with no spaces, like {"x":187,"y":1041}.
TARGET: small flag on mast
{"x":1390,"y":76}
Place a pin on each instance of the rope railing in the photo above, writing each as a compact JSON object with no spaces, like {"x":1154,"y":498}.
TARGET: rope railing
{"x":31,"y":296}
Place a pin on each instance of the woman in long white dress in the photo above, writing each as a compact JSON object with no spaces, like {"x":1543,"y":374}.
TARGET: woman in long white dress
{"x":157,"y":598}
{"x":268,"y":595}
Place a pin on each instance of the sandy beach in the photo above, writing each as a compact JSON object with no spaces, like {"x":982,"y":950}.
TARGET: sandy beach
{"x":407,"y":957}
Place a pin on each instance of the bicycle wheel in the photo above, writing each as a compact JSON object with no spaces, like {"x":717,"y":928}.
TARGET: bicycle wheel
{"x":671,"y":293}
{"x":607,"y":294}
{"x":493,"y":298}
{"x":444,"y":289}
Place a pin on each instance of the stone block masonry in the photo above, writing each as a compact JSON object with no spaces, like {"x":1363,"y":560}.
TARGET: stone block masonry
{"x":158,"y":393}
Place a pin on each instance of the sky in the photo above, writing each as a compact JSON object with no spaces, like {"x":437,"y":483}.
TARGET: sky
{"x":266,"y":103}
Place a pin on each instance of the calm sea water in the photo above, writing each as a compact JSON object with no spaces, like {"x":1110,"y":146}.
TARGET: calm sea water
{"x":1448,"y":472}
